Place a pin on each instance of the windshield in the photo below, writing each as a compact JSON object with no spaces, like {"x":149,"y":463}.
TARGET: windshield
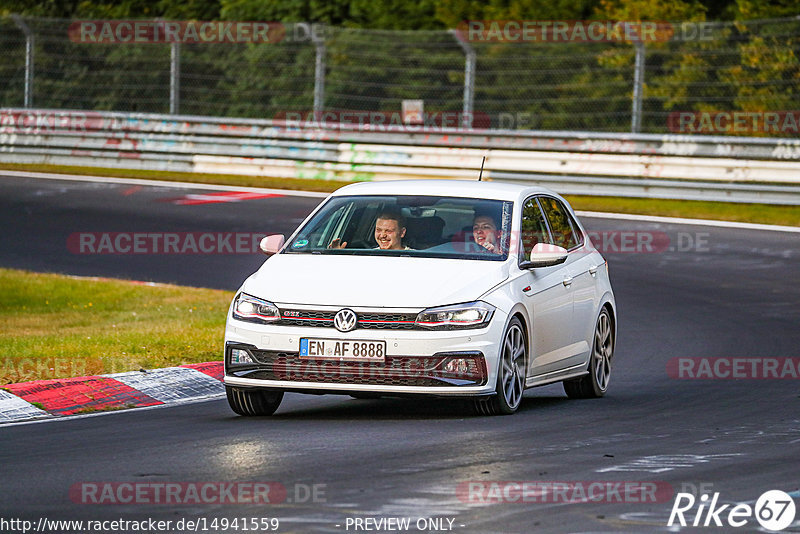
{"x":423,"y":226}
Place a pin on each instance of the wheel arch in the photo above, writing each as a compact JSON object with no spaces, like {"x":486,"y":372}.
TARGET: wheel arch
{"x":608,"y":303}
{"x":521,"y":313}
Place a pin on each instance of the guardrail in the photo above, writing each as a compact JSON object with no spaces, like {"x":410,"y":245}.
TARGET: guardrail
{"x":733,"y":169}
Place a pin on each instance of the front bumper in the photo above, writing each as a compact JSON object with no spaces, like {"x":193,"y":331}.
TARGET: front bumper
{"x":415,"y":362}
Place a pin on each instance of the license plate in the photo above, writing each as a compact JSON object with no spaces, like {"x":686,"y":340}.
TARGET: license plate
{"x":337,"y":349}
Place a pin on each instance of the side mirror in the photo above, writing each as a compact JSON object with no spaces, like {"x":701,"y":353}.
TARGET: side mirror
{"x":545,"y":255}
{"x":272,"y":244}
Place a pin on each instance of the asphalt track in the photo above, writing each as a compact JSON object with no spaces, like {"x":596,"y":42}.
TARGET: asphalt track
{"x":733,"y":293}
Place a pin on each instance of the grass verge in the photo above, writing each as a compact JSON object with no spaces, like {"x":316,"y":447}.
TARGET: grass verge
{"x":295,"y":184}
{"x":693,"y":209}
{"x":55,"y":326}
{"x":724,"y":211}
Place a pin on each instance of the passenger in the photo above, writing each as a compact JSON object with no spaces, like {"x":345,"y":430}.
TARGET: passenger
{"x":484,"y":232}
{"x":390,"y":228}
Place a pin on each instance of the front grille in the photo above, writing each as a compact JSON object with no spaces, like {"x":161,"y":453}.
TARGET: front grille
{"x":394,"y":371}
{"x":306,"y":318}
{"x":387,"y":321}
{"x":366,"y":320}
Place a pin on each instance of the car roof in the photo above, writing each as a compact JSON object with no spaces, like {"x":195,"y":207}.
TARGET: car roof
{"x":455,"y":188}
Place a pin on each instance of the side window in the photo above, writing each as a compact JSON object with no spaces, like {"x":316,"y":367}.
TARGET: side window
{"x":534,"y":228}
{"x":330,"y":227}
{"x":565,"y":232}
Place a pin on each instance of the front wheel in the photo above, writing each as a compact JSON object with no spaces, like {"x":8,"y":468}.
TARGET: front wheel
{"x":595,"y":384}
{"x":253,"y":402}
{"x":510,"y":376}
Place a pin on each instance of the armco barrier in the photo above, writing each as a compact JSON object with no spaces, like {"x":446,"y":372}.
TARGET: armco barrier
{"x":732,"y":169}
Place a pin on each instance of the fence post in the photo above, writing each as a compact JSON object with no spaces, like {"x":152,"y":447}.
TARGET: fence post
{"x":174,"y":78}
{"x":469,"y":78}
{"x":319,"y":74}
{"x":28,"y":98}
{"x":638,"y":87}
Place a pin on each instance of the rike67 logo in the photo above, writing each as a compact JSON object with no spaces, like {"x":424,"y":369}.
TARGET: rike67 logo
{"x":774,"y":510}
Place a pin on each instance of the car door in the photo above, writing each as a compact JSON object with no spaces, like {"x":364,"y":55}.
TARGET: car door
{"x":547,"y":296}
{"x":581,"y":266}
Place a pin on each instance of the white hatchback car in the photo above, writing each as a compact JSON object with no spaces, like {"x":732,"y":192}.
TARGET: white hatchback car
{"x":441,"y":288}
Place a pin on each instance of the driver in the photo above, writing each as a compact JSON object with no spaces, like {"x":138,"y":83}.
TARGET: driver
{"x":390,"y":228}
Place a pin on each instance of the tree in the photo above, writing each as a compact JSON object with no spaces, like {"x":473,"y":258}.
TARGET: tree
{"x":765,"y":9}
{"x":394,"y":15}
{"x":333,"y":12}
{"x":451,"y":12}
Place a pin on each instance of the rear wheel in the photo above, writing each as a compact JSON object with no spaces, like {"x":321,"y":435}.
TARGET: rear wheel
{"x":252,"y":402}
{"x":595,"y":384}
{"x":510,"y":376}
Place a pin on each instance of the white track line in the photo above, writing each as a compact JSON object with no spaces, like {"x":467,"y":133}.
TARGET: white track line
{"x":62,"y":418}
{"x":680,"y":220}
{"x":313,"y":194}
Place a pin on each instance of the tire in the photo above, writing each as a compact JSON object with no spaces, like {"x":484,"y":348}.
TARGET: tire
{"x":595,"y":384}
{"x":510,"y":374}
{"x":253,"y":402}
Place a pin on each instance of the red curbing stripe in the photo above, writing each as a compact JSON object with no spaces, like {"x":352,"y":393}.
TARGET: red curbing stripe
{"x":193,"y":199}
{"x":87,"y":393}
{"x":132,"y":190}
{"x":212,"y":369}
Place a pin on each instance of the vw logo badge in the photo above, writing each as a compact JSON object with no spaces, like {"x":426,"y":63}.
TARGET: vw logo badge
{"x":345,"y":320}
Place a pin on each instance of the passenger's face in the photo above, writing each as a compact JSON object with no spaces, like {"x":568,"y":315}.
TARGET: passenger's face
{"x":484,"y":230}
{"x":388,"y":234}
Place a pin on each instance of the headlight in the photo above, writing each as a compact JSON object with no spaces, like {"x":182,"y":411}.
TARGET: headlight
{"x":254,"y":310}
{"x":469,"y":315}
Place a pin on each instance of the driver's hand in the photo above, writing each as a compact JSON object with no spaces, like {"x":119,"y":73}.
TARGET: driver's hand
{"x":337,"y":243}
{"x":490,"y":243}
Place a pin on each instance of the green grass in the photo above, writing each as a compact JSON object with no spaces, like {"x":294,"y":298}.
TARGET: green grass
{"x":55,"y":326}
{"x":296,"y":184}
{"x":755,"y":213}
{"x":695,"y":209}
{"x":90,"y":409}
